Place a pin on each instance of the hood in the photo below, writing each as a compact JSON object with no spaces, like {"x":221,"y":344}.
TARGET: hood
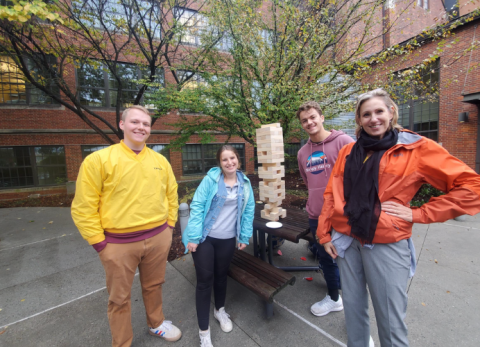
{"x":334,"y":134}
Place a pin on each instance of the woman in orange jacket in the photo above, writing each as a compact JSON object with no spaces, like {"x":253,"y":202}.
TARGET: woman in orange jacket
{"x":366,"y":221}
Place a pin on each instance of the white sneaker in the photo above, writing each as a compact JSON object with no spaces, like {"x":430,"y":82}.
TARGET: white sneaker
{"x":166,"y":330}
{"x":326,"y":306}
{"x":370,"y":343}
{"x":224,"y":319}
{"x":205,"y":340}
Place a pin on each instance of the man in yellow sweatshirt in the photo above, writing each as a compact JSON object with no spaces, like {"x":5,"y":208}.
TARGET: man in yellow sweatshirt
{"x":126,"y":207}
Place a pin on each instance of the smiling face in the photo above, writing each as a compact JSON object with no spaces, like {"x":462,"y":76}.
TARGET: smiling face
{"x":228,"y":162}
{"x":375,"y":117}
{"x":311,"y":121}
{"x":136,"y":128}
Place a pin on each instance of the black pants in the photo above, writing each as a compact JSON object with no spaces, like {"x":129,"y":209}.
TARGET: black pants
{"x":212,"y":260}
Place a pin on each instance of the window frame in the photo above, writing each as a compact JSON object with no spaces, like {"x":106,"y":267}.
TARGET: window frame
{"x":203,"y":158}
{"x":187,"y":32}
{"x":35,"y":167}
{"x":412,"y":105}
{"x":106,"y":85}
{"x":30,"y":90}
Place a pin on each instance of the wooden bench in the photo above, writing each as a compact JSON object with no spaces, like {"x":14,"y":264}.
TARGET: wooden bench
{"x":260,"y":277}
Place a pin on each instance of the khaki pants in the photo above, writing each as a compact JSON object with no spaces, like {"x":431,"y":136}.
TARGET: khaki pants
{"x":120,"y":261}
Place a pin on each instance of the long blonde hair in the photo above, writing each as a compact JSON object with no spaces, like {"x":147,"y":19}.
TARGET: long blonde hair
{"x":376,"y":93}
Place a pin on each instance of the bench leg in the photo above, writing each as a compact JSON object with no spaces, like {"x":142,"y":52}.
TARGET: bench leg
{"x":269,"y":310}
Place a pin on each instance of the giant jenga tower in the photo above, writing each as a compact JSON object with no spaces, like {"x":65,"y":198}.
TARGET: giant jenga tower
{"x":270,"y":154}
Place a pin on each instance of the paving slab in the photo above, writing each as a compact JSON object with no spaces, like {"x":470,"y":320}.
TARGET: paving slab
{"x":52,"y":287}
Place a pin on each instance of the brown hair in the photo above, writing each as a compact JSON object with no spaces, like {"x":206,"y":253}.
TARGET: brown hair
{"x":387,"y":100}
{"x":228,"y":148}
{"x":135,"y":107}
{"x":307,"y":106}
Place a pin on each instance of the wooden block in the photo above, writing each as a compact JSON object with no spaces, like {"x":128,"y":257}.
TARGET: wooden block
{"x":272,"y":125}
{"x":269,"y":139}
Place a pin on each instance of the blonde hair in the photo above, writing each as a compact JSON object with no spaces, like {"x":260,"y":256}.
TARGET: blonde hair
{"x":135,"y":107}
{"x":376,"y":93}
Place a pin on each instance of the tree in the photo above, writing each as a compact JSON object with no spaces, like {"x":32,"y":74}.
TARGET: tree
{"x":44,"y":42}
{"x":277,"y":55}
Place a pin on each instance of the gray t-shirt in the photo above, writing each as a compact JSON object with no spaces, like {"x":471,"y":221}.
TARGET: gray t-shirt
{"x":225,"y":227}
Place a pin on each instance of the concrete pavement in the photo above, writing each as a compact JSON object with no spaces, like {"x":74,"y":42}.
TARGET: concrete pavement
{"x":52,"y":292}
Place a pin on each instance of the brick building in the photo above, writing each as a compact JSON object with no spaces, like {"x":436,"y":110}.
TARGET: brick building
{"x":42,"y":144}
{"x":451,"y":119}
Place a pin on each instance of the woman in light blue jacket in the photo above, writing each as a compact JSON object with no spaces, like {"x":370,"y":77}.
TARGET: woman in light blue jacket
{"x":221,"y":213}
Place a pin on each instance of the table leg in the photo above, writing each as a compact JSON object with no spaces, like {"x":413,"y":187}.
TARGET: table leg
{"x":270,"y":249}
{"x":261,"y":235}
{"x":255,"y":243}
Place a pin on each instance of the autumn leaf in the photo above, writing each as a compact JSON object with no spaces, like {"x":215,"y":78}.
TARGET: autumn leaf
{"x":51,"y":222}
{"x":424,"y":304}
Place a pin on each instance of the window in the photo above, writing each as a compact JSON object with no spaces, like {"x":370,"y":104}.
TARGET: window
{"x":451,"y":6}
{"x":89,"y":149}
{"x":421,"y":115}
{"x":15,"y":90}
{"x":423,"y":4}
{"x":197,"y":159}
{"x":98,"y":87}
{"x":114,"y":15}
{"x":193,"y":23}
{"x":32,"y":166}
{"x":194,"y":81}
{"x":162,"y":149}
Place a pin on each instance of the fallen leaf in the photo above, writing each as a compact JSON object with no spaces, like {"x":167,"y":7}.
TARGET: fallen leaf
{"x":279,"y":252}
{"x":31,"y":221}
{"x":8,"y":269}
{"x":1,"y":332}
{"x":448,"y":292}
{"x":64,"y":235}
{"x":19,"y":218}
{"x":436,"y":262}
{"x":0,"y":309}
{"x":423,"y":304}
{"x":44,"y":228}
{"x":51,"y":222}
{"x":22,"y":300}
{"x":303,"y":258}
{"x":308,"y":278}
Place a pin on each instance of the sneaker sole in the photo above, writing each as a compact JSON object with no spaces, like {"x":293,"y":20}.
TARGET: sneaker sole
{"x":171,"y":339}
{"x":324,"y":314}
{"x":225,"y":331}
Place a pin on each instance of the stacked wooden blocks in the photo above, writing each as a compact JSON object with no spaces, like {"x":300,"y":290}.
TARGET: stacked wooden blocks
{"x":271,"y":154}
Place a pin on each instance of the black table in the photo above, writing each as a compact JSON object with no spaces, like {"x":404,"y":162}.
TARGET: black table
{"x":294,"y":227}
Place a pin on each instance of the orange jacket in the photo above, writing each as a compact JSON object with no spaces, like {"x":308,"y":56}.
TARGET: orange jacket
{"x":413,"y":161}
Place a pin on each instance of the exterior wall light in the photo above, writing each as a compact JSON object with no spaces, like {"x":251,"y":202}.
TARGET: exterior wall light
{"x":463,"y":117}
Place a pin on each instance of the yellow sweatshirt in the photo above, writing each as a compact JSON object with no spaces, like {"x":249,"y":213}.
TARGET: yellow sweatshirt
{"x":122,"y":192}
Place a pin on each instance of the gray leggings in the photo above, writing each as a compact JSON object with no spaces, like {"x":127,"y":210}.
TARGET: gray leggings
{"x":385,"y":270}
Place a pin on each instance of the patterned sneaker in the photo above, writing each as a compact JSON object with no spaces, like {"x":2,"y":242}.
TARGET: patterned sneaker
{"x":205,"y":340}
{"x":326,"y":306}
{"x":166,"y":330}
{"x":224,"y":319}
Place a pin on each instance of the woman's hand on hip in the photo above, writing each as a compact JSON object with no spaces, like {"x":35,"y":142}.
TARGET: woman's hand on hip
{"x":241,"y":246}
{"x":192,"y":247}
{"x":397,"y":210}
{"x":330,"y":249}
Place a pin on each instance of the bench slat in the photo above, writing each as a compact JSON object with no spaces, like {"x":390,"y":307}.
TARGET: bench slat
{"x":259,"y":287}
{"x":262,"y":267}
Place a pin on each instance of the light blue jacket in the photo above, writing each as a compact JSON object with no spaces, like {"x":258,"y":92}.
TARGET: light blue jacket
{"x":208,"y":202}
